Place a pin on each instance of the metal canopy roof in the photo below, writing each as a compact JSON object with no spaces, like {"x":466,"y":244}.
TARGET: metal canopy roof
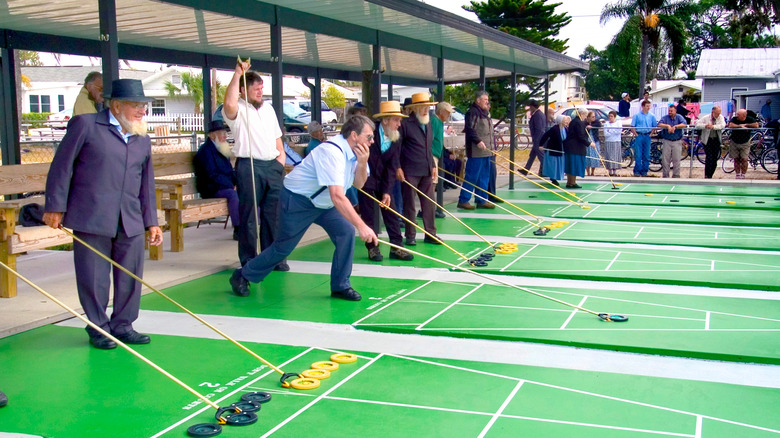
{"x":337,"y":35}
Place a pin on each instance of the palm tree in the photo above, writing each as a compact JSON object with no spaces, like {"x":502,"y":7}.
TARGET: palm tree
{"x":650,"y":17}
{"x":190,"y":84}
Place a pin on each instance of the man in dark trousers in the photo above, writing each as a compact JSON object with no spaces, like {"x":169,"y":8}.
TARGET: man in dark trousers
{"x":214,"y":175}
{"x":479,"y":132}
{"x":414,"y":164}
{"x":314,"y":192}
{"x":260,"y":161}
{"x":101,"y":185}
{"x":381,"y":179}
{"x":538,"y":125}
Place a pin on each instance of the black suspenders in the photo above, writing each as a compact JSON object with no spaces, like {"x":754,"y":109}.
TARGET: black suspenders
{"x":322,"y":189}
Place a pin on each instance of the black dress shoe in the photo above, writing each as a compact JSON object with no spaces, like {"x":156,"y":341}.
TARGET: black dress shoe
{"x":411,"y":241}
{"x":429,"y":239}
{"x":283,"y":267}
{"x":101,"y":342}
{"x":133,"y":337}
{"x":239,"y":284}
{"x":3,"y":399}
{"x":348,"y":294}
{"x":439,"y":214}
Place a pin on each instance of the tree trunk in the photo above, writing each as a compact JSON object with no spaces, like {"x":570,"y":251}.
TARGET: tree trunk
{"x":643,"y":65}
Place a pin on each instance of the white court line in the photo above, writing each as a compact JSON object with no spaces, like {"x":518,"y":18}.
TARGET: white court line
{"x":591,"y":211}
{"x":324,"y":395}
{"x":501,"y":409}
{"x":672,"y":189}
{"x":454,"y":303}
{"x":698,"y":433}
{"x":707,"y":320}
{"x":716,"y":234}
{"x":561,"y":210}
{"x":654,"y":212}
{"x":712,"y":266}
{"x":564,"y":230}
{"x":664,"y":200}
{"x":574,"y":311}
{"x":392,"y":302}
{"x":637,"y":233}
{"x":230,"y":394}
{"x":613,"y":261}
{"x":587,"y":393}
{"x":521,"y":256}
{"x":610,"y":198}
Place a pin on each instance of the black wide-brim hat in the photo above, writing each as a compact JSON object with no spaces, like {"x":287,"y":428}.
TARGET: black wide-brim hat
{"x":217,"y":125}
{"x":131,"y":90}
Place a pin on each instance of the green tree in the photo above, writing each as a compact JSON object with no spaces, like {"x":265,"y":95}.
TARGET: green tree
{"x":333,"y":97}
{"x":652,"y":20}
{"x":192,"y":86}
{"x":28,"y":58}
{"x":531,"y":20}
{"x":607,"y":77}
{"x":720,"y":24}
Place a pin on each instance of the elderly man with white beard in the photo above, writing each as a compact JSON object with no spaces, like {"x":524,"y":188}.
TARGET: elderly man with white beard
{"x":415,"y":165}
{"x":101,"y":185}
{"x":214,"y":175}
{"x":381,"y":180}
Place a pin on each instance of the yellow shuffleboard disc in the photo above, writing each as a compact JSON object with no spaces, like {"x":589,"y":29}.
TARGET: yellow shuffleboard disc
{"x":305,"y":383}
{"x":730,"y":202}
{"x":343,"y":358}
{"x":325,"y":365}
{"x":316,"y":374}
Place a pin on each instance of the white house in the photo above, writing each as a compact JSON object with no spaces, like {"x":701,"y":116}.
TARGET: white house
{"x":672,"y":90}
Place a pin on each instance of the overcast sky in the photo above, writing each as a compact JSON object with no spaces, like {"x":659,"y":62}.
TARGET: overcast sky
{"x":584,"y":28}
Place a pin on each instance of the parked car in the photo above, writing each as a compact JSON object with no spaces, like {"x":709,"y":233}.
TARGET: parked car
{"x":328,"y":116}
{"x":602,"y":113}
{"x":60,"y":120}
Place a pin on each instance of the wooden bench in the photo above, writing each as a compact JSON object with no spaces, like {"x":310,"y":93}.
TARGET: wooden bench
{"x":31,"y":178}
{"x":179,"y":199}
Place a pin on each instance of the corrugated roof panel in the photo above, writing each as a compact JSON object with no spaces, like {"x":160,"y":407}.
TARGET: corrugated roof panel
{"x":410,"y":64}
{"x":731,"y":63}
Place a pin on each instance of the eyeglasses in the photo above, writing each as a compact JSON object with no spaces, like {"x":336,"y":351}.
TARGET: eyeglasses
{"x":136,"y":105}
{"x":370,"y":137}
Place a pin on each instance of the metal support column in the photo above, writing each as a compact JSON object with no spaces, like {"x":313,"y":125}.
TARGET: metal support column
{"x":316,"y":98}
{"x":512,"y":126}
{"x":440,"y":98}
{"x":9,"y":112}
{"x":389,"y":88}
{"x":376,"y":78}
{"x":109,"y":43}
{"x":208,"y":110}
{"x":276,"y":67}
{"x":482,"y":77}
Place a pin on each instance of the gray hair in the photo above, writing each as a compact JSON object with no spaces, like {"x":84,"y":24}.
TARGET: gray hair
{"x":479,"y":94}
{"x":582,"y":111}
{"x":355,"y":124}
{"x":92,"y":77}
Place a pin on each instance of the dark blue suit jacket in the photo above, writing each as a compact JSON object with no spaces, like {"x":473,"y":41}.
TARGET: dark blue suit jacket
{"x":95,"y":179}
{"x":213,"y":171}
{"x":415,"y":155}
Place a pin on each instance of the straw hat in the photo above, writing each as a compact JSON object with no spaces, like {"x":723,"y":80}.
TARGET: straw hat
{"x":389,"y":108}
{"x":421,"y":99}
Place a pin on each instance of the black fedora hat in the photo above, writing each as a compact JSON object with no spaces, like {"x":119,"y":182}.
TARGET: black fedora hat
{"x":217,"y":125}
{"x":128,"y":89}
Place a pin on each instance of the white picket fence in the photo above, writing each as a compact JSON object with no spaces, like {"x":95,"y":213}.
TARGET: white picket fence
{"x":177,"y":122}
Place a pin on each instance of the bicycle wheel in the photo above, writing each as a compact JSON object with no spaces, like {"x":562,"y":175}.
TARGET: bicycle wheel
{"x":727,"y":164}
{"x":769,"y":160}
{"x":685,"y":152}
{"x":627,"y":155}
{"x":655,"y":156}
{"x":700,"y":153}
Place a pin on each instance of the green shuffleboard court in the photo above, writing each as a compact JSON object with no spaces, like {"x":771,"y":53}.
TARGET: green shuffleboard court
{"x":643,"y":213}
{"x":724,"y":328}
{"x":689,"y":189}
{"x":570,"y":260}
{"x":656,"y":199}
{"x":80,"y":392}
{"x":706,"y":236}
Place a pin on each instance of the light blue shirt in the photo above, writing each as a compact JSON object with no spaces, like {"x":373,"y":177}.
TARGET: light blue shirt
{"x":642,"y":120}
{"x":385,"y":145}
{"x":115,"y":123}
{"x":325,"y":166}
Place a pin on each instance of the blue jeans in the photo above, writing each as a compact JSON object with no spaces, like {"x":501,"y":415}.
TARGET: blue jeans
{"x":642,"y":154}
{"x":477,"y":173}
{"x":298,"y":213}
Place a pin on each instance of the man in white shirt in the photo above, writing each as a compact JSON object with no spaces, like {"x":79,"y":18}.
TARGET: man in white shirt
{"x":314,"y":192}
{"x":712,"y":126}
{"x":258,"y":149}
